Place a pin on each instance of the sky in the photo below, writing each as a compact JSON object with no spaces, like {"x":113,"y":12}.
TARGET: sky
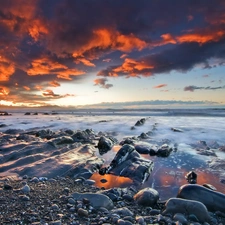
{"x":112,"y":52}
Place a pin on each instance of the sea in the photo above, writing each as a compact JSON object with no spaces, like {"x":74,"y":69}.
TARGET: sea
{"x":193,"y":125}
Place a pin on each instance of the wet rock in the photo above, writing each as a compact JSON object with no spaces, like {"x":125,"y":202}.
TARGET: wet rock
{"x":164,"y":150}
{"x":62,"y":140}
{"x":191,"y":177}
{"x":82,"y":212}
{"x":55,"y":207}
{"x":96,"y":200}
{"x":147,"y":197}
{"x":24,"y":198}
{"x":129,"y":163}
{"x":48,"y":134}
{"x":213,"y":200}
{"x":124,"y":211}
{"x":140,"y":122}
{"x":105,"y":144}
{"x":25,"y":189}
{"x":7,"y":186}
{"x":210,"y":186}
{"x":180,"y":217}
{"x":145,"y":148}
{"x":184,"y":206}
{"x":176,"y":129}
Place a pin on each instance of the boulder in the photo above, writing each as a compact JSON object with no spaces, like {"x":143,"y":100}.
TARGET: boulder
{"x":213,"y":200}
{"x":147,"y":197}
{"x":188,"y":207}
{"x":96,"y":200}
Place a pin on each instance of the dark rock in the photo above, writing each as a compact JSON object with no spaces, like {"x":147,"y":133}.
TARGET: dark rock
{"x":211,"y":187}
{"x":140,"y":122}
{"x":96,"y":200}
{"x":105,"y":144}
{"x":62,"y":140}
{"x":188,"y":207}
{"x":129,"y":163}
{"x":124,"y":211}
{"x":176,"y":130}
{"x":191,"y":177}
{"x":27,"y":114}
{"x":147,"y":197}
{"x":164,"y":150}
{"x":82,"y":212}
{"x":7,"y":186}
{"x":213,"y":200}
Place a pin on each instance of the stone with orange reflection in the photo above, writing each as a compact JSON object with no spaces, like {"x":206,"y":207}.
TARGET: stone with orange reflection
{"x":147,"y":197}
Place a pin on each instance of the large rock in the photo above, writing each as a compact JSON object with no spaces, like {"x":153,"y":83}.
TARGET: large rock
{"x":105,"y":144}
{"x":213,"y":200}
{"x":129,"y":163}
{"x":96,"y":200}
{"x":147,"y":197}
{"x":188,"y":207}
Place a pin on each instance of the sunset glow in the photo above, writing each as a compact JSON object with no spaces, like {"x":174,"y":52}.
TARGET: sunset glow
{"x":70,"y":53}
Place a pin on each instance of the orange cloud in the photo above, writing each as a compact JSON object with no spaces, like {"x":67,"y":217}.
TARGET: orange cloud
{"x":160,"y":86}
{"x":168,"y":39}
{"x":45,"y":66}
{"x":4,"y":91}
{"x":6,"y":69}
{"x":110,"y":39}
{"x":26,"y":88}
{"x":54,"y":83}
{"x":21,"y":17}
{"x":132,"y":67}
{"x":36,"y":28}
{"x":85,"y":62}
{"x":201,"y":38}
{"x":49,"y":93}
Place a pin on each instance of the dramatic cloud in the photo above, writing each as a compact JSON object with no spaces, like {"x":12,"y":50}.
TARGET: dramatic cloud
{"x":45,"y":66}
{"x":102,"y":83}
{"x":193,"y":88}
{"x":45,"y":44}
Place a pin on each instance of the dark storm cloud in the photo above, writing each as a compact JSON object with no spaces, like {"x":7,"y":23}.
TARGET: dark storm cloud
{"x":182,"y":57}
{"x":192,"y":88}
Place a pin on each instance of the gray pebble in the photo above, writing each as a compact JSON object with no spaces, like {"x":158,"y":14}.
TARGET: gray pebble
{"x":25,"y":189}
{"x":180,"y":217}
{"x":71,"y":201}
{"x":82,"y":212}
{"x":55,"y":207}
{"x":34,"y":179}
{"x":24,"y":197}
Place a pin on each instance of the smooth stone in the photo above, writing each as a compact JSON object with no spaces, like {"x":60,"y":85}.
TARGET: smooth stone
{"x":82,"y":212}
{"x":213,"y":200}
{"x":180,"y":217}
{"x":55,"y":207}
{"x":25,"y":189}
{"x":184,"y":206}
{"x":71,"y":201}
{"x":24,"y":198}
{"x":124,"y":211}
{"x":147,"y":197}
{"x":96,"y":200}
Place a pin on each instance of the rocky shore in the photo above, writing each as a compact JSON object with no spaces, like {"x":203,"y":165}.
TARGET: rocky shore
{"x":65,"y":200}
{"x":46,"y":179}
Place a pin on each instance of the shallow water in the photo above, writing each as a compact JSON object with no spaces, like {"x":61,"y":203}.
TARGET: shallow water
{"x":169,"y":173}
